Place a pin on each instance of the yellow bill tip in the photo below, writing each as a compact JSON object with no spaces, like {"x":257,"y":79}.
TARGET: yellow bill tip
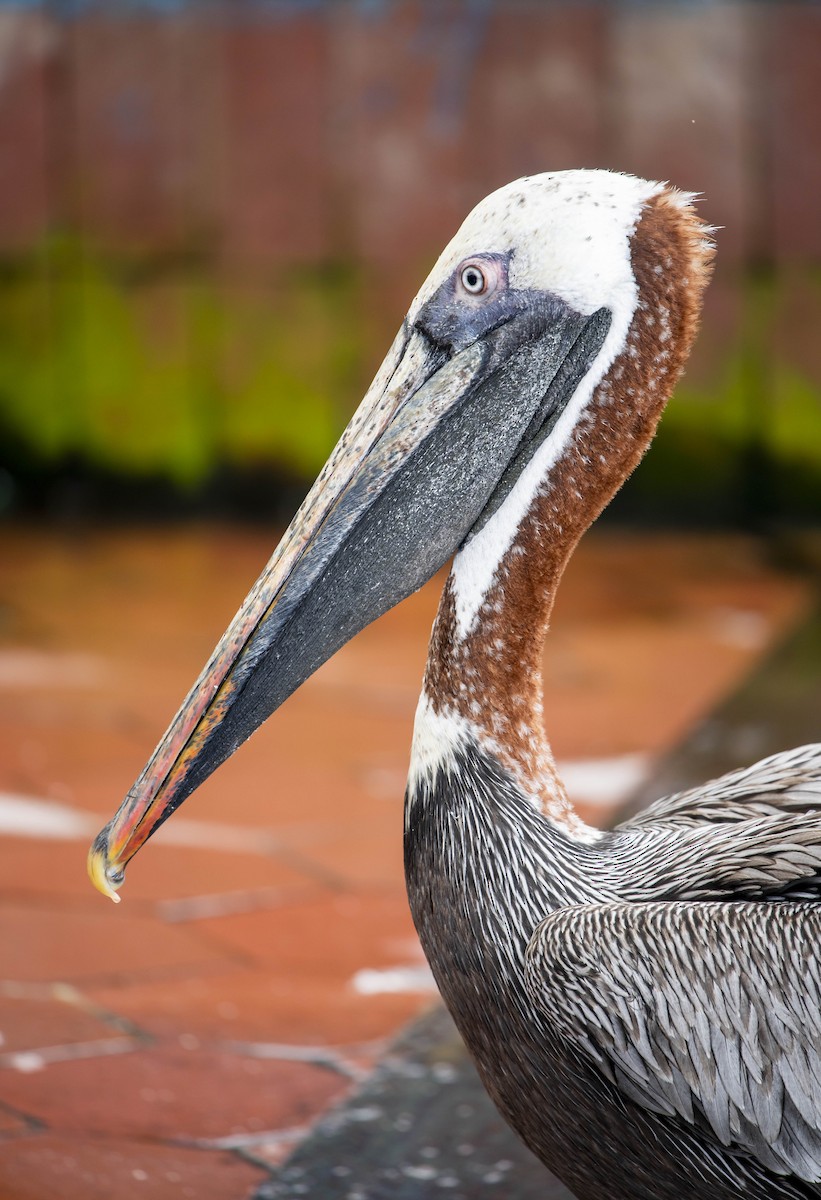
{"x":106,"y":876}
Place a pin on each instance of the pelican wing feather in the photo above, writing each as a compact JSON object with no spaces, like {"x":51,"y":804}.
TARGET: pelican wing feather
{"x":707,"y":1013}
{"x":785,"y":783}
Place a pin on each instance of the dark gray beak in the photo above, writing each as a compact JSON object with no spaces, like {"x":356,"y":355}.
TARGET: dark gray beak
{"x":452,"y":417}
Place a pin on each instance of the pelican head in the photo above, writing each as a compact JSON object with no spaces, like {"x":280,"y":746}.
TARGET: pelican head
{"x":512,"y":347}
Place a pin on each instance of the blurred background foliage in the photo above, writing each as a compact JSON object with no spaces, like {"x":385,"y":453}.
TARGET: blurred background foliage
{"x":172,"y":377}
{"x":213,"y":216}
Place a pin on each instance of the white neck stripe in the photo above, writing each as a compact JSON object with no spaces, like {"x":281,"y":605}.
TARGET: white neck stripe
{"x":475,"y":567}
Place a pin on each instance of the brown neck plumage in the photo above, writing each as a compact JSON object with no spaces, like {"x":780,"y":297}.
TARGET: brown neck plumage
{"x":492,"y":676}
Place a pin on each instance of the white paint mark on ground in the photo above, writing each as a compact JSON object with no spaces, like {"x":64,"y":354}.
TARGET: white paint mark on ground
{"x":604,"y":781}
{"x":25,"y":816}
{"x":32,"y":817}
{"x":320,"y":1056}
{"x":237,"y":1141}
{"x":29,"y":1061}
{"x":23,"y":668}
{"x":372,"y":982}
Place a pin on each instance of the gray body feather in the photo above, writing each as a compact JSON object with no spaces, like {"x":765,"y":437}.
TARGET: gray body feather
{"x":645,"y":1008}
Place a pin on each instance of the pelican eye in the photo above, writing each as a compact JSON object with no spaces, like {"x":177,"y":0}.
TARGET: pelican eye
{"x":473,"y":279}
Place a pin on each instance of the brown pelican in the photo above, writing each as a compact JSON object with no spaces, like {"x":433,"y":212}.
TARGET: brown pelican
{"x":644,"y":1005}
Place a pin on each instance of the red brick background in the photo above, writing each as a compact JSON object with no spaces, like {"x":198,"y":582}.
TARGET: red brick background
{"x":278,"y":134}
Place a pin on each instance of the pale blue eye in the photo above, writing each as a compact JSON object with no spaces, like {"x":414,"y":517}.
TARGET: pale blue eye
{"x":473,"y":279}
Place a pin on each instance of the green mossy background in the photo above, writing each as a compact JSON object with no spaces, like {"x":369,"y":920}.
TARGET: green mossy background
{"x":172,"y":376}
{"x":169,"y":375}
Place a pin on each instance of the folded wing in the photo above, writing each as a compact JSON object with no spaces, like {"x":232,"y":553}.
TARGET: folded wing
{"x":708,"y":1013}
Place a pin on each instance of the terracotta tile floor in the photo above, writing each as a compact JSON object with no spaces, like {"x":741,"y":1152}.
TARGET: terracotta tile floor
{"x":172,"y":1046}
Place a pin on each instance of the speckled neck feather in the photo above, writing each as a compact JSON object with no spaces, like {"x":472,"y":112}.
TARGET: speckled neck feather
{"x":492,"y":676}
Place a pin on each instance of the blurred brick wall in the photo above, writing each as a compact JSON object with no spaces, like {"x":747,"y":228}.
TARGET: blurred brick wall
{"x":192,"y":149}
{"x":269,"y":134}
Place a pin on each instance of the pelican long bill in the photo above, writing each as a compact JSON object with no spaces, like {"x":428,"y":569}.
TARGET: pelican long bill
{"x":453,"y":416}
